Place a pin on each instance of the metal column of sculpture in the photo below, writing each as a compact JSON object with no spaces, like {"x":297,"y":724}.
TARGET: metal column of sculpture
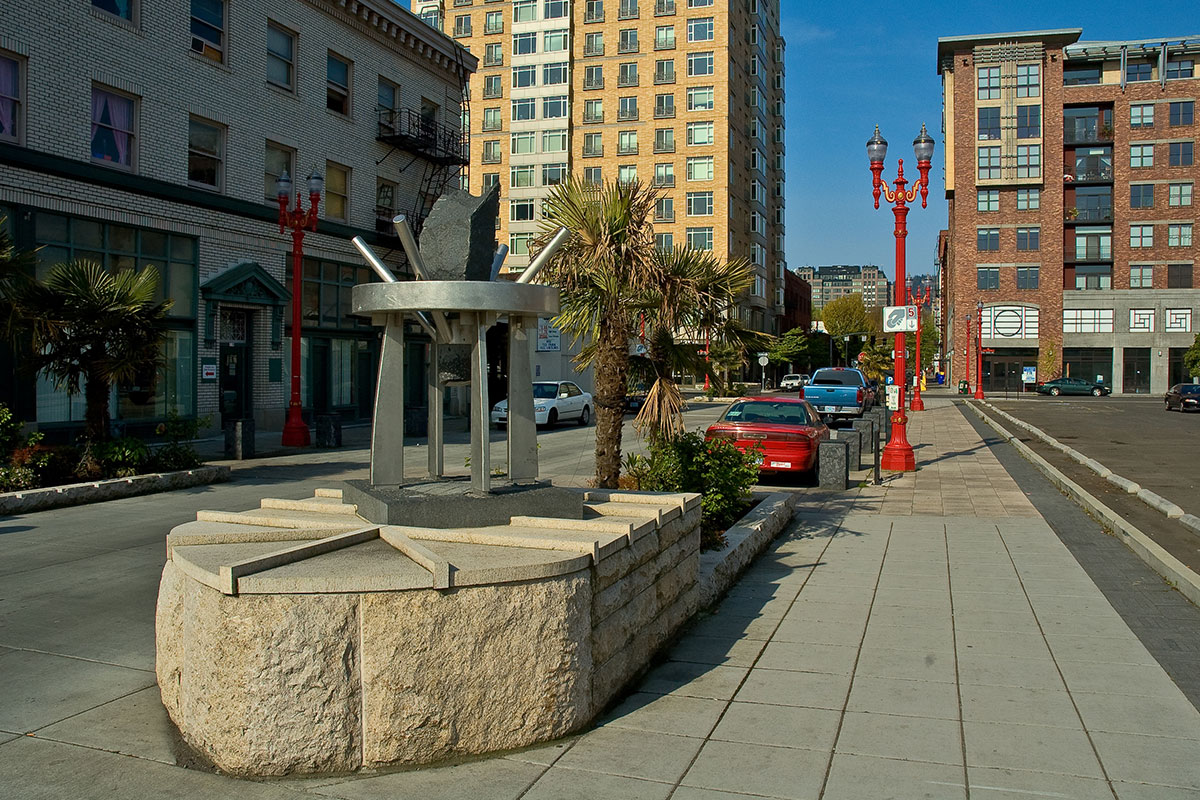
{"x":455,"y":299}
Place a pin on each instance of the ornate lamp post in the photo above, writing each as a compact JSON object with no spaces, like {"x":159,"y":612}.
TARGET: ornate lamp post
{"x":920,"y":300}
{"x":979,"y":350}
{"x":967,"y":354}
{"x":898,"y":453}
{"x":295,"y":432}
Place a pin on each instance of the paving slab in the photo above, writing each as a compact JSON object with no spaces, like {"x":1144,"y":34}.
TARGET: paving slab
{"x":905,"y":738}
{"x":43,"y":688}
{"x":1014,"y":784}
{"x":791,"y":688}
{"x":134,"y":725}
{"x":666,"y":713}
{"x":559,"y":782}
{"x":632,"y":754}
{"x":853,"y":777}
{"x":779,"y":726}
{"x":754,"y":769}
{"x":1031,"y":747}
{"x":913,"y":698}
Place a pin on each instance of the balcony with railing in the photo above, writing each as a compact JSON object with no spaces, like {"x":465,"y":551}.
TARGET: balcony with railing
{"x":627,"y":81}
{"x":627,"y":46}
{"x":596,"y":82}
{"x":1083,"y":214}
{"x":1089,"y":172}
{"x":627,"y":148}
{"x":664,"y":181}
{"x":596,"y":49}
{"x":664,"y":216}
{"x":664,"y":146}
{"x":491,"y":156}
{"x":593,"y":151}
{"x":664,"y":43}
{"x":593,"y":116}
{"x":627,"y":114}
{"x":410,"y":130}
{"x":662,"y":76}
{"x":664,"y":112}
{"x":1086,"y":131}
{"x":490,"y":60}
{"x":493,"y":27}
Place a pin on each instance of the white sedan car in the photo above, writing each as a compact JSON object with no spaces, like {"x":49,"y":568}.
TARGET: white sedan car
{"x":552,"y":401}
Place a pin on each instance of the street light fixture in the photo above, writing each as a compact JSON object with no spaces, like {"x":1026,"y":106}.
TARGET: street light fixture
{"x":979,"y":350}
{"x":919,"y":300}
{"x":295,"y":431}
{"x":898,"y":453}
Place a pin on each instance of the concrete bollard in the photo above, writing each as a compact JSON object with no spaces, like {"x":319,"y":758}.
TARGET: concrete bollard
{"x":833,"y":468}
{"x":883,"y":421}
{"x":866,"y":430}
{"x":239,"y":439}
{"x":329,"y":430}
{"x":854,"y":447}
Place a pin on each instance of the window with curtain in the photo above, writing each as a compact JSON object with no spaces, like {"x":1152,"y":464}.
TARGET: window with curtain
{"x":10,"y":99}
{"x":112,"y":128}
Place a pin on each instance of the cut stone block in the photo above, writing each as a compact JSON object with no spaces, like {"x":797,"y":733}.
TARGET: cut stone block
{"x":833,"y":464}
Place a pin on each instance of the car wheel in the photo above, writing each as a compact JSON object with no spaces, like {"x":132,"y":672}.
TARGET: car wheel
{"x":552,"y":420}
{"x":1055,"y":391}
{"x":1096,"y":392}
{"x":585,"y":416}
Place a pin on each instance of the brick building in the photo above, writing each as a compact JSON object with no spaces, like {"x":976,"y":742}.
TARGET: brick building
{"x":684,"y":94}
{"x":1070,"y":174}
{"x":832,"y":282}
{"x":156,"y":137}
{"x":797,"y":303}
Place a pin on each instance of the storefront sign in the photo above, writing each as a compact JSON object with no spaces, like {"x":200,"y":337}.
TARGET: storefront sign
{"x":547,"y":337}
{"x":1028,"y":374}
{"x":208,"y":371}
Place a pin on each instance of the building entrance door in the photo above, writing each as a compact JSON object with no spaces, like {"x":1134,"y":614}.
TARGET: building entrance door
{"x":1136,"y":378}
{"x":237,"y":373}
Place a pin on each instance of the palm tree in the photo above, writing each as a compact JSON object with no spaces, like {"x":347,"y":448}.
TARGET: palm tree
{"x":603,"y":269}
{"x":88,"y":327}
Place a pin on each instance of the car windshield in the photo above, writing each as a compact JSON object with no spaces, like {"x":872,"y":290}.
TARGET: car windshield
{"x":1190,"y":388}
{"x":768,"y":412}
{"x":791,"y":377}
{"x":837,"y":379}
{"x":545,"y":391}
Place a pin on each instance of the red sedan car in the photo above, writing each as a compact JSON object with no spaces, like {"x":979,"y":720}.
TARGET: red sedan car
{"x":787,"y":429}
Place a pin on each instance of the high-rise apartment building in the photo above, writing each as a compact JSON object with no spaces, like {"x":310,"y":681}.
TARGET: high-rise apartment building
{"x":1070,"y":173}
{"x":686,"y":95}
{"x":832,"y":282}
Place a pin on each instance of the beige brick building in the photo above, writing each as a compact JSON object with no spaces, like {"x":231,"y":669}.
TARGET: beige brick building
{"x":1070,"y":174}
{"x":832,"y":282}
{"x":685,"y":94}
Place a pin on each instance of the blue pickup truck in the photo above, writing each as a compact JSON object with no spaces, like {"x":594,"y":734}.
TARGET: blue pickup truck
{"x":838,"y":393}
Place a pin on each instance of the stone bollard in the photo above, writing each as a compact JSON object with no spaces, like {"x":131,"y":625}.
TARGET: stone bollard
{"x":883,"y":421}
{"x":239,"y":439}
{"x":866,"y":430}
{"x":854,"y":447}
{"x":329,"y":430}
{"x":833,"y":469}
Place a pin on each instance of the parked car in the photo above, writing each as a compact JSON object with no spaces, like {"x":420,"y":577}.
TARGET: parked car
{"x":786,"y":429}
{"x":790,"y":383}
{"x":635,"y":398}
{"x":552,"y":401}
{"x":805,"y":378}
{"x":1184,"y":396}
{"x":838,"y":392}
{"x":1073,"y":386}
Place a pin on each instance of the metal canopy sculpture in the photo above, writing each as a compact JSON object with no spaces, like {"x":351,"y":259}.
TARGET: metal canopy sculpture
{"x":455,"y":299}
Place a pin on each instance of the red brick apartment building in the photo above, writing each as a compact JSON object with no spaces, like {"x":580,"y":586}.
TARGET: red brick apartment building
{"x":1070,"y":178}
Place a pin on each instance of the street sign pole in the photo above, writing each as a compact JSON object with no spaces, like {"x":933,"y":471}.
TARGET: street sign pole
{"x":762,"y":362}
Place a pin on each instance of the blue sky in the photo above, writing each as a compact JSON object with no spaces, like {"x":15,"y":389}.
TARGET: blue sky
{"x":852,"y":65}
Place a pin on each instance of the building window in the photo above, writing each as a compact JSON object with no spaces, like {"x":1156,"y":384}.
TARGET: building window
{"x":664,"y":106}
{"x":492,"y":86}
{"x":1179,"y":235}
{"x":493,"y":54}
{"x":626,"y":173}
{"x":1028,"y":80}
{"x":1141,"y":155}
{"x":664,"y":209}
{"x":1028,"y":238}
{"x":1141,"y":195}
{"x":593,"y":110}
{"x":700,"y":29}
{"x":699,"y":204}
{"x":593,"y":77}
{"x":664,"y":174}
{"x":281,"y":56}
{"x":524,"y":44}
{"x":1029,"y":199}
{"x":989,"y":163}
{"x":627,"y":40}
{"x":491,"y":151}
{"x":521,"y":177}
{"x":700,"y":98}
{"x":664,"y":71}
{"x":664,"y":241}
{"x":593,"y":44}
{"x":664,"y":37}
{"x":987,"y":278}
{"x":113,"y":125}
{"x":10,"y":99}
{"x":627,"y":108}
{"x":518,"y":243}
{"x":700,"y":64}
{"x":1027,"y":277}
{"x":1029,"y":161}
{"x":1029,"y":122}
{"x":593,"y":176}
{"x":524,"y":109}
{"x":490,"y":180}
{"x":1182,"y":113}
{"x":338,"y":71}
{"x":554,"y":174}
{"x":1180,"y":154}
{"x":1141,"y":276}
{"x":555,"y":9}
{"x":524,"y":10}
{"x":1081,"y":76}
{"x":554,"y":74}
{"x":627,"y":143}
{"x":524,"y":77}
{"x":520,"y":211}
{"x":593,"y":11}
{"x":277,"y":160}
{"x":627,"y":74}
{"x":1141,"y":115}
{"x":1183,"y":68}
{"x":1138,"y":71}
{"x":700,"y":238}
{"x":699,"y":133}
{"x":987,"y":239}
{"x":462,"y":25}
{"x":521,"y":144}
{"x":208,"y":29}
{"x":1141,"y":236}
{"x":989,"y":124}
{"x":206,"y":153}
{"x":1179,"y":194}
{"x":491,"y":119}
{"x":988,"y":83}
{"x":554,"y":41}
{"x":628,"y":9}
{"x":493,"y":22}
{"x":664,"y":140}
{"x":987,"y":200}
{"x":554,"y":141}
{"x":699,"y":3}
{"x":1179,"y":276}
{"x":119,"y":8}
{"x":337,"y":192}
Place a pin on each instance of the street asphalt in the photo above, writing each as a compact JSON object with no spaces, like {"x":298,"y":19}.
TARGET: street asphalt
{"x":959,"y":632}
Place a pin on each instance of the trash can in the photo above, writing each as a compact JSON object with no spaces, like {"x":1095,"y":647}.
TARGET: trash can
{"x":964,"y":387}
{"x":239,"y":439}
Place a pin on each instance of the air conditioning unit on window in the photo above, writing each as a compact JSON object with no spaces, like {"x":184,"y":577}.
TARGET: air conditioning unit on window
{"x":197,"y":44}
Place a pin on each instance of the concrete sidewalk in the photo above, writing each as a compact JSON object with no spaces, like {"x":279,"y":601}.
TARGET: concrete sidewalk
{"x":931,"y":637}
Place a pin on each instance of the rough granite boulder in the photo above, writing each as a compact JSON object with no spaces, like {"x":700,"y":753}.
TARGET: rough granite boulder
{"x":458,"y":239}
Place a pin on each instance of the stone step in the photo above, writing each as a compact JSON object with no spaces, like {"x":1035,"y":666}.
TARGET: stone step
{"x":328,"y":493}
{"x":661,"y":514}
{"x":281,"y":518}
{"x":318,"y":505}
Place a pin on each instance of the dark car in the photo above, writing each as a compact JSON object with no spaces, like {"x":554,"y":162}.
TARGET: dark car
{"x":1073,"y":386}
{"x":1183,"y":396}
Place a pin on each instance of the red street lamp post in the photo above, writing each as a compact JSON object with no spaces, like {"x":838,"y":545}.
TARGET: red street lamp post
{"x":920,"y":300}
{"x":295,"y":432}
{"x":967,"y":354}
{"x":898,"y":453}
{"x":979,"y":351}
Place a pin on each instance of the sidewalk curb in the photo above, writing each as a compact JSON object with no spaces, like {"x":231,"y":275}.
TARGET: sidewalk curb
{"x":746,"y":539}
{"x":1173,"y":571}
{"x":74,"y":494}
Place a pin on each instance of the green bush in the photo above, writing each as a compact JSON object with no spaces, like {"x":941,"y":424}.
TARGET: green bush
{"x":26,"y":463}
{"x":177,"y":453}
{"x":738,"y":390}
{"x":718,"y":471}
{"x":119,"y":458}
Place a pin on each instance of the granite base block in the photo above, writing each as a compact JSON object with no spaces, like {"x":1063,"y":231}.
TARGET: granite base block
{"x":453,"y":504}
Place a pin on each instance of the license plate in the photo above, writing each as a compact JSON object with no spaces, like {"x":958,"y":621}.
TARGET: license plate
{"x":781,"y":464}
{"x":829,"y":409}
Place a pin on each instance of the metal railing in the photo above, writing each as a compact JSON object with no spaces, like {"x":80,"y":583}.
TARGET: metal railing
{"x":1090,"y":172}
{"x":627,"y":114}
{"x":593,"y":83}
{"x":410,"y":129}
{"x":593,"y":152}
